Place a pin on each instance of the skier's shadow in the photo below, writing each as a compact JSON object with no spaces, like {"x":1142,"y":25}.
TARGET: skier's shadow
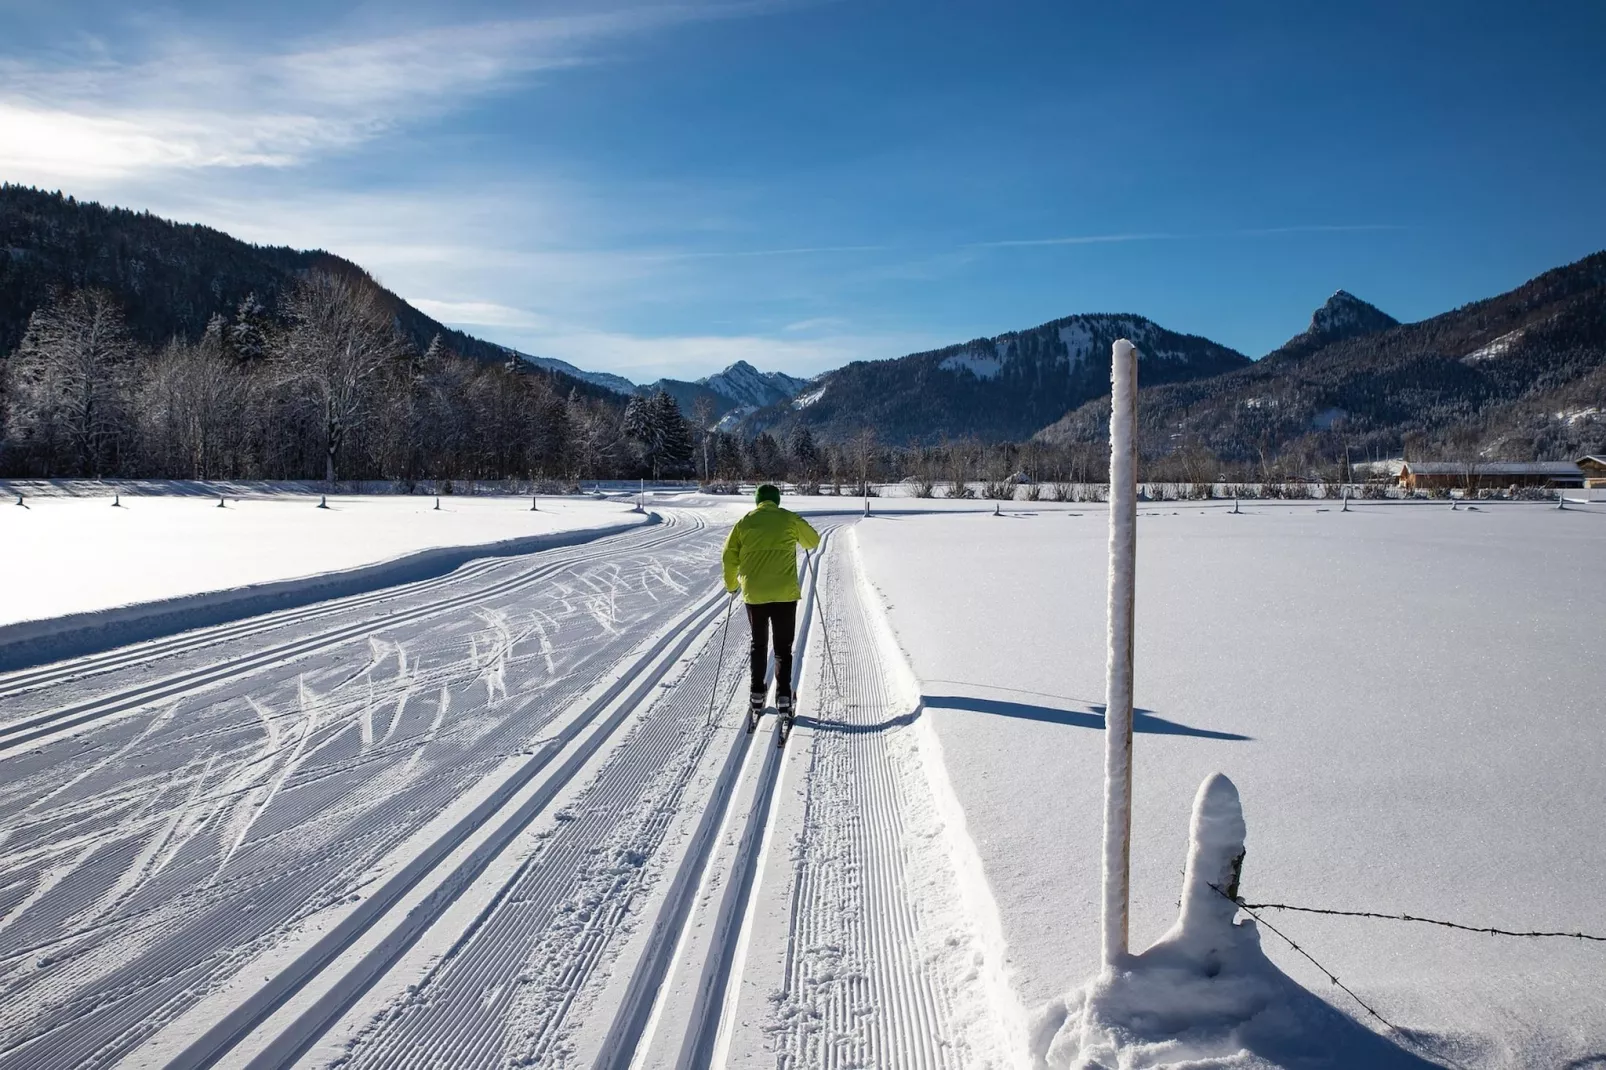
{"x":1093,"y":717}
{"x":852,"y":728}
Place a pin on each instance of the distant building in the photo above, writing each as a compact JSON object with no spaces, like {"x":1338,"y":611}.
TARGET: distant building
{"x":1428,"y":475}
{"x":1594,"y":468}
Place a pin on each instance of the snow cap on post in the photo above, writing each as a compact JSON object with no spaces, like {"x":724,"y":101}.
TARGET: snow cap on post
{"x":1215,"y":858}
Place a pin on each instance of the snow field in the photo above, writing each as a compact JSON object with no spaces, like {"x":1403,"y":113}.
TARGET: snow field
{"x":1407,"y":697}
{"x":89,"y":562}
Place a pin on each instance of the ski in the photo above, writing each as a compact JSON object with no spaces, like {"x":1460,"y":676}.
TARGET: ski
{"x":754,"y":716}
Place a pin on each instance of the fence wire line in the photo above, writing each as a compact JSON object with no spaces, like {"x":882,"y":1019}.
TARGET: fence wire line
{"x":1411,"y":917}
{"x":1249,"y":908}
{"x":1329,"y":974}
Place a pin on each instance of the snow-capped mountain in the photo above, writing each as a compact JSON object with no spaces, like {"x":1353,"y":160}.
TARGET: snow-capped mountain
{"x":1508,"y":371}
{"x":743,"y":384}
{"x":728,"y":396}
{"x":608,"y":381}
{"x":1341,"y":316}
{"x":1005,"y":387}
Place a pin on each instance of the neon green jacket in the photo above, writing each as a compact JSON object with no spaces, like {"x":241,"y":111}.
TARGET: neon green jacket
{"x":762,"y":550}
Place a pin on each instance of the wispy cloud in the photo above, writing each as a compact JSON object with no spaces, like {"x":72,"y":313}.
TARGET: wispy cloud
{"x":189,"y":103}
{"x":1079,"y":239}
{"x":1249,"y":232}
{"x":727,"y":254}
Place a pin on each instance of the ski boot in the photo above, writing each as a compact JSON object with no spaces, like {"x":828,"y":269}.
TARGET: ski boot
{"x":786,"y":710}
{"x":755,"y":709}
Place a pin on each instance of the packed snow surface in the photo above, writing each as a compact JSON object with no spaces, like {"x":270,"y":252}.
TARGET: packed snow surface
{"x":82,"y":554}
{"x":508,"y":815}
{"x":1408,"y":699}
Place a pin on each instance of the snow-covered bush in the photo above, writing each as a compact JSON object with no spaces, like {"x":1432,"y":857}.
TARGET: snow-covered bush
{"x":998,"y":490}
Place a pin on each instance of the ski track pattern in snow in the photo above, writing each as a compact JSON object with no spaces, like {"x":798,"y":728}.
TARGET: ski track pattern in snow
{"x":510,"y":987}
{"x":186,"y":816}
{"x":887,"y":962}
{"x":209,"y":797}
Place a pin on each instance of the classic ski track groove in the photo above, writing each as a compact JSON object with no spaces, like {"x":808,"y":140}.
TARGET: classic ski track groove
{"x":563,"y":909}
{"x":378,"y":909}
{"x":858,"y":990}
{"x":631,"y":1021}
{"x":30,"y":729}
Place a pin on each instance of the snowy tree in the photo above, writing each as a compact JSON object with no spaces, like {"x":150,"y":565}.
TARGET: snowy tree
{"x":767,"y":460}
{"x":249,"y":336}
{"x":702,"y":421}
{"x":805,"y":453}
{"x":675,"y":441}
{"x":191,"y":410}
{"x":727,"y":456}
{"x":657,"y":426}
{"x":66,"y":384}
{"x":341,"y":337}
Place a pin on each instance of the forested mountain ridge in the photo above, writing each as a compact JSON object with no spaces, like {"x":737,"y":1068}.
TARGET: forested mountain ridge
{"x":993,"y":389}
{"x":171,"y":278}
{"x":1517,"y":376}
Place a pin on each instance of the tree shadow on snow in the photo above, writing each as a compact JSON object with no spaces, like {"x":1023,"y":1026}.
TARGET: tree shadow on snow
{"x":1093,"y":717}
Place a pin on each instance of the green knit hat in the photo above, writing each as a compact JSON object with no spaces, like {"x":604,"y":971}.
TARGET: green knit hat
{"x":768,"y":492}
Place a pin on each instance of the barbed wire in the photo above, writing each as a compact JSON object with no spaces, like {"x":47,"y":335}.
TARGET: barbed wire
{"x":1329,"y":974}
{"x":1250,"y":908}
{"x":1411,"y":917}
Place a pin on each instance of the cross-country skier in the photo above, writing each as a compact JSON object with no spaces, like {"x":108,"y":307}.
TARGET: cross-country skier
{"x":762,"y":551}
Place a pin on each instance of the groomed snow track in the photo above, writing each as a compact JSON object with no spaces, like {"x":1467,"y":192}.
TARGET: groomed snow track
{"x":587,"y":874}
{"x":167,"y":844}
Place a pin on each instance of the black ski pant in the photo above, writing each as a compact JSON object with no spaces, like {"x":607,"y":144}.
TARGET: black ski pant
{"x":781,"y":617}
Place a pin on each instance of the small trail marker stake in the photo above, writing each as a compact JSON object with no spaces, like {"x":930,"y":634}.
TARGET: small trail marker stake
{"x":117,"y":501}
{"x":323,"y":501}
{"x":220,"y":503}
{"x":437,"y":505}
{"x":1118,"y":672}
{"x":1346,"y":501}
{"x":1235,"y":507}
{"x":1561,"y":500}
{"x":535,"y":504}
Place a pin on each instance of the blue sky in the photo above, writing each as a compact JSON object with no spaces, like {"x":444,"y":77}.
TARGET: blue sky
{"x":660,"y":189}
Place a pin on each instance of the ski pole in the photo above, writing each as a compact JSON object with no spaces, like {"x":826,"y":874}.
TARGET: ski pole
{"x":724,"y":633}
{"x":830,"y":658}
